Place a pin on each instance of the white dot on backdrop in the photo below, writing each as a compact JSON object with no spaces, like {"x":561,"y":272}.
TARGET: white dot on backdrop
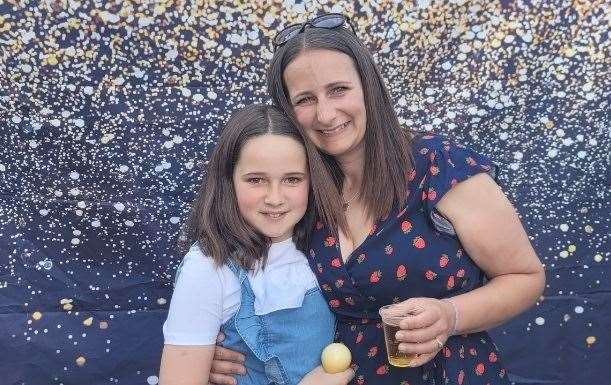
{"x":552,"y":153}
{"x":539,"y":321}
{"x":152,"y":380}
{"x":578,"y":309}
{"x":119,"y":206}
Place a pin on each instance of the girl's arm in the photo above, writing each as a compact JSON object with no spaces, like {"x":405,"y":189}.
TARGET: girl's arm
{"x":186,"y":365}
{"x":491,"y":233}
{"x":194,"y":318}
{"x":319,"y":377}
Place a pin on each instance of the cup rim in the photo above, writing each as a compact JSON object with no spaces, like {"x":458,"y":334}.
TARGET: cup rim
{"x":394,"y":318}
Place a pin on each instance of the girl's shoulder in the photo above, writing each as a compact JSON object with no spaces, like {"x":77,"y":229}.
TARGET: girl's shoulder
{"x":195,"y":265}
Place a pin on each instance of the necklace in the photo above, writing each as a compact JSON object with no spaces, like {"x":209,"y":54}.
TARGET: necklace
{"x":346,"y":204}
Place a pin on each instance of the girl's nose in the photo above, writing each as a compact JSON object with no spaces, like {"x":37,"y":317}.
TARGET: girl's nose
{"x":273,"y":197}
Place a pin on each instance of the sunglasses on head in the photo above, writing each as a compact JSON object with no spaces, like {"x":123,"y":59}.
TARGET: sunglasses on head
{"x":326,"y":21}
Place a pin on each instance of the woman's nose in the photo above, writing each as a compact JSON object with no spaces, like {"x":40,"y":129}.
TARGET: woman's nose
{"x":325,"y":112}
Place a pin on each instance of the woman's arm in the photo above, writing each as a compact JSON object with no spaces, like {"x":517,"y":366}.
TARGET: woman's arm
{"x":228,"y":363}
{"x":491,"y":233}
{"x":186,"y":365}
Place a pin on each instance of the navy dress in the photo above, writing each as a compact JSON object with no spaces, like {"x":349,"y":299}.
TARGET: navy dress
{"x":411,"y":253}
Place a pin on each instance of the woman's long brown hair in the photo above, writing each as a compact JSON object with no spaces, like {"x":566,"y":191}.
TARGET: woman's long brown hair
{"x":388,"y":158}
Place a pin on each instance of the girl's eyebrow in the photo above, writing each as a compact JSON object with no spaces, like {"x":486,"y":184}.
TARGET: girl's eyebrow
{"x":338,"y":83}
{"x":259,"y":173}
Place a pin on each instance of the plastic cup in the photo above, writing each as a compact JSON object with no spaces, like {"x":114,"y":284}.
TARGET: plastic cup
{"x":391,"y":316}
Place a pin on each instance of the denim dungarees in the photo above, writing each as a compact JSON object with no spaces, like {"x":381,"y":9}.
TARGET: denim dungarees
{"x":281,"y":347}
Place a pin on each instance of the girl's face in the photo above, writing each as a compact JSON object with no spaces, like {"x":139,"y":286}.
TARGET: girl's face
{"x":271,"y":182}
{"x":325,"y":91}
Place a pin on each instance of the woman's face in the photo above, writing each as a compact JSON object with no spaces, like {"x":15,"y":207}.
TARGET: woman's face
{"x":272,"y":185}
{"x":325,"y":91}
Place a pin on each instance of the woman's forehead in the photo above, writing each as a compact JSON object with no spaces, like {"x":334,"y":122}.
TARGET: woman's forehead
{"x":318,"y":68}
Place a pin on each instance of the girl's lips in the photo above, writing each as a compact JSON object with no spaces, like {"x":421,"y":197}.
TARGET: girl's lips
{"x":274,"y":215}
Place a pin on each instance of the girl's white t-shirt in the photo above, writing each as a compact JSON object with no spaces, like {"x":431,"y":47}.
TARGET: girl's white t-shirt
{"x":205,"y":296}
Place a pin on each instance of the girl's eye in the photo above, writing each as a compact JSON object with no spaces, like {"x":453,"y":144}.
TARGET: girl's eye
{"x":254,"y":180}
{"x":293,"y":180}
{"x":339,"y":90}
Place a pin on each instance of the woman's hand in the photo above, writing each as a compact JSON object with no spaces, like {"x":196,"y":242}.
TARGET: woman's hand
{"x":319,"y":377}
{"x":426,"y":330}
{"x":226,"y":364}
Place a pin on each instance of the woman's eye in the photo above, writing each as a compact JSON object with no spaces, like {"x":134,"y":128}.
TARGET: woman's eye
{"x":254,"y":180}
{"x":304,"y":100}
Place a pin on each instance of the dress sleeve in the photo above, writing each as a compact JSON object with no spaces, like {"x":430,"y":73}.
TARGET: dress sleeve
{"x":449,"y":164}
{"x":195,"y":314}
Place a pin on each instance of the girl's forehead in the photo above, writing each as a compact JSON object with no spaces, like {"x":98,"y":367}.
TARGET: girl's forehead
{"x":286,"y":157}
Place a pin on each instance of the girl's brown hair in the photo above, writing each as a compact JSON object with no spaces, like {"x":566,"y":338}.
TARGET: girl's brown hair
{"x":215,"y":222}
{"x":388,"y":158}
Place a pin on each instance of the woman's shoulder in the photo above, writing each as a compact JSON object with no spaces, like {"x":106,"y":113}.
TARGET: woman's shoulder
{"x":424,"y":142}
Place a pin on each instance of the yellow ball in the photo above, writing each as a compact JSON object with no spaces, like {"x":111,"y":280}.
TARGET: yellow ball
{"x":335,"y":358}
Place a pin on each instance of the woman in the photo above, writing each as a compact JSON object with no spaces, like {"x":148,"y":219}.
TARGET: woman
{"x":426,"y":222}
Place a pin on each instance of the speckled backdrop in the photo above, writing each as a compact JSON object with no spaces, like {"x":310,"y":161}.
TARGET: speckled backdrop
{"x":108,"y":110}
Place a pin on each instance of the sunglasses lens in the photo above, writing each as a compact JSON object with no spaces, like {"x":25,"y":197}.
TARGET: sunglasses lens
{"x":287,"y":34}
{"x":328,"y":21}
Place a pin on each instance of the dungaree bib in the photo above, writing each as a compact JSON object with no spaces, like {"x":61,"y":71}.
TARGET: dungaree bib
{"x":281,"y":347}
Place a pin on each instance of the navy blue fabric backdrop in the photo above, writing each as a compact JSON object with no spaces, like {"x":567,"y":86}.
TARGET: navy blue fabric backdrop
{"x":109,"y":110}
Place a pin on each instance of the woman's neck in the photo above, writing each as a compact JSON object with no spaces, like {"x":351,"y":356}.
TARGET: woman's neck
{"x":352,"y":165}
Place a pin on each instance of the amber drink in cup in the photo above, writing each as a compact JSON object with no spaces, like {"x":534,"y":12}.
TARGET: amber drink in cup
{"x":391,"y":316}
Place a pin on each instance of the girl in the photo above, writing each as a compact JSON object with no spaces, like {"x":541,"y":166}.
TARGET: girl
{"x":245,"y":274}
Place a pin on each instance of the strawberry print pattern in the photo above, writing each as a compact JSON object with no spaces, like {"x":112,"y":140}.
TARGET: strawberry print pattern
{"x":408,"y":255}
